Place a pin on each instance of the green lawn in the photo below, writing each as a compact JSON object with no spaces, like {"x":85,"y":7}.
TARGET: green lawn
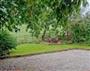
{"x":29,"y":49}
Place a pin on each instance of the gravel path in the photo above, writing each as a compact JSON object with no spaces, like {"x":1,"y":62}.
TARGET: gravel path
{"x":72,"y":60}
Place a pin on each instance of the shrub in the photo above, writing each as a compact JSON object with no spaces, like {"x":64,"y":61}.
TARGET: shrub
{"x":7,"y":42}
{"x":80,"y":33}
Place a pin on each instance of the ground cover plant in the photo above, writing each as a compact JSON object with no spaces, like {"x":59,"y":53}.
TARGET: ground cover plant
{"x":30,"y":49}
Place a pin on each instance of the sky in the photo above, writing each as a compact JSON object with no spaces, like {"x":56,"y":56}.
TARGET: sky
{"x":86,"y":9}
{"x":89,"y":1}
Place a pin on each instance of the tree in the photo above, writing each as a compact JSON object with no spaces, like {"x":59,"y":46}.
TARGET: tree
{"x":79,"y":28}
{"x":43,"y":12}
{"x":12,"y":13}
{"x":37,"y":13}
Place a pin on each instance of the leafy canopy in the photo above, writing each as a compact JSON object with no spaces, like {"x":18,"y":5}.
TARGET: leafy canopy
{"x":37,"y":13}
{"x":12,"y":13}
{"x":51,"y":13}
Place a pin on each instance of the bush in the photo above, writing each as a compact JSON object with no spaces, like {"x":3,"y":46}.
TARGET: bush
{"x":80,"y":33}
{"x":7,"y":42}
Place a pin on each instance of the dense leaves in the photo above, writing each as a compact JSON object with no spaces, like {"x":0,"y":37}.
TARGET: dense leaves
{"x":12,"y":13}
{"x":7,"y":42}
{"x":41,"y":16}
{"x":79,"y":29}
{"x":44,"y":12}
{"x":38,"y":13}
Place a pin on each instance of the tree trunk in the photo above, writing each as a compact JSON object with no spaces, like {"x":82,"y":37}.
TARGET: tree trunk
{"x":43,"y":36}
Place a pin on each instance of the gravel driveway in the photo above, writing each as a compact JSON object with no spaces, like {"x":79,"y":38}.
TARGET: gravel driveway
{"x":72,"y":60}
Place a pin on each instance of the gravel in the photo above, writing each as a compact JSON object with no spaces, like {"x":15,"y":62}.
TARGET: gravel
{"x":72,"y":60}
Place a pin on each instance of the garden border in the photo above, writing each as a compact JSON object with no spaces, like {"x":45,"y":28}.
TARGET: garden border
{"x":17,"y":56}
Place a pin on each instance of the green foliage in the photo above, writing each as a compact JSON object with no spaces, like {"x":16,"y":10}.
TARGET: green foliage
{"x":80,"y":31}
{"x":29,"y":49}
{"x":39,"y":15}
{"x":12,"y":13}
{"x":44,"y":12}
{"x":7,"y":42}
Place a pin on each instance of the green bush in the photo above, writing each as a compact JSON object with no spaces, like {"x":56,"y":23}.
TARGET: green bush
{"x":80,"y":33}
{"x":7,"y":42}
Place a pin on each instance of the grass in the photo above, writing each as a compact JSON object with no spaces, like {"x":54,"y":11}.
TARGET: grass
{"x":29,"y":49}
